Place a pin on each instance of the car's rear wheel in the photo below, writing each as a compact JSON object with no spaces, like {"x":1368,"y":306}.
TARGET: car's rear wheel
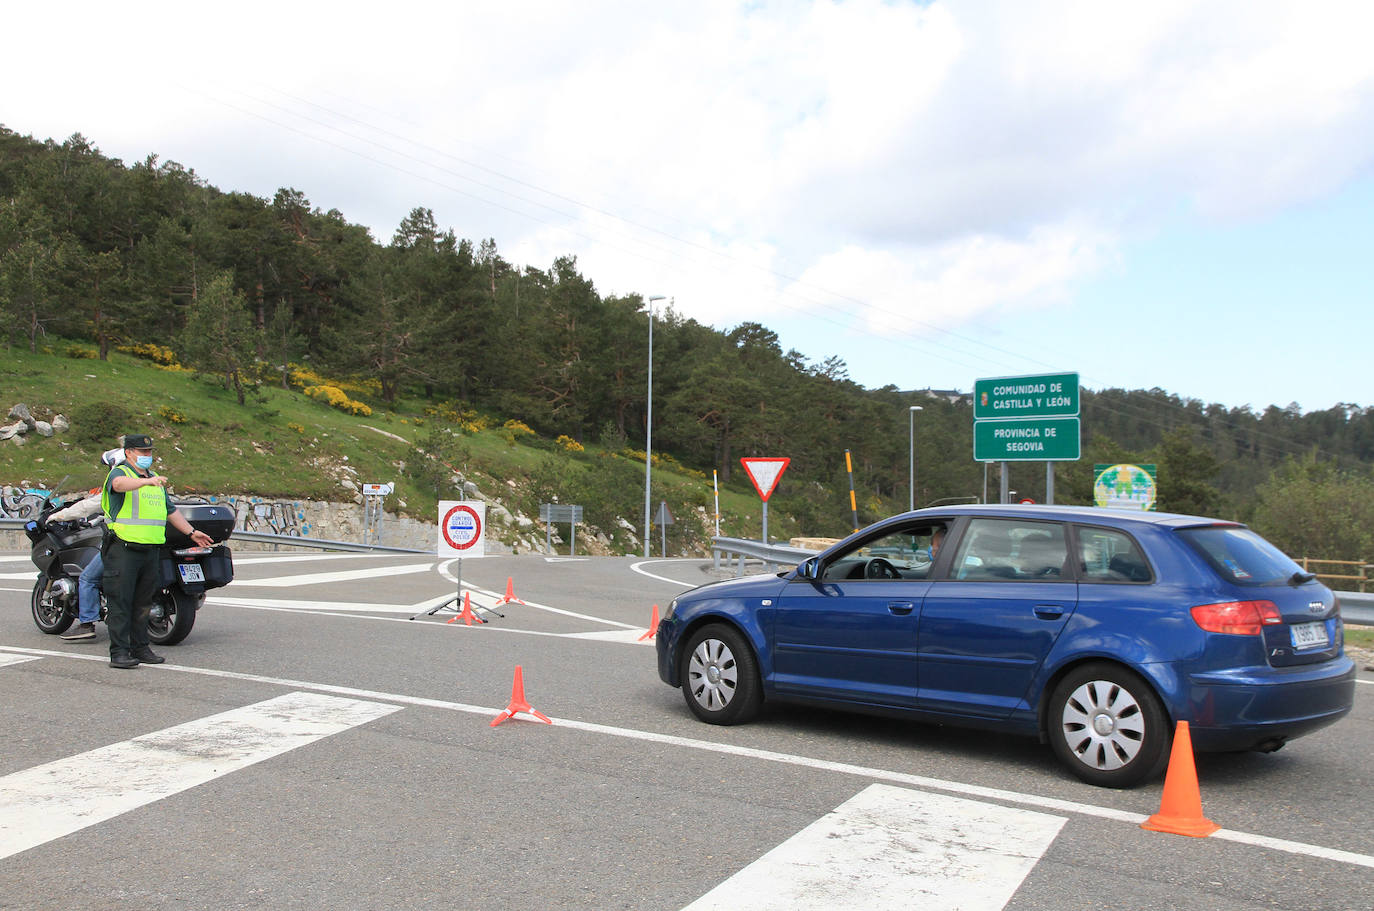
{"x":1108,"y":726}
{"x":720,"y":676}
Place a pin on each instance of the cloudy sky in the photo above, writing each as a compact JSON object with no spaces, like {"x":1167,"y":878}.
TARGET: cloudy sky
{"x":1165,"y":194}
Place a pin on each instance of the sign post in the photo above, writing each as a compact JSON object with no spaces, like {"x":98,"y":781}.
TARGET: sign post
{"x":764,"y":474}
{"x":663,"y":518}
{"x":1027,"y":419}
{"x":549,"y":513}
{"x":462,"y":533}
{"x":373,"y":495}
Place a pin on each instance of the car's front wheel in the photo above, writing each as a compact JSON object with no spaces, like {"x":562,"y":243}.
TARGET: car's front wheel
{"x":1108,"y":726}
{"x":720,"y":676}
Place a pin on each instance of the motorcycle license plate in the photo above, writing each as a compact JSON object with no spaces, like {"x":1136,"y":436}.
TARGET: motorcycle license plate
{"x":1309,"y":635}
{"x":191,"y":572}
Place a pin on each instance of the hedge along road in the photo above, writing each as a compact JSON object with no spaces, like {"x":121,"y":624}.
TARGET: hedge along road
{"x":624,"y":801}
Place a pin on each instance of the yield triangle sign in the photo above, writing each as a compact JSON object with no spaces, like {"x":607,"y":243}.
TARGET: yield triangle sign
{"x":764,"y":473}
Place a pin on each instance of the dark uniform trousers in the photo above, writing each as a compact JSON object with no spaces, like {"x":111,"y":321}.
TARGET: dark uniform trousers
{"x":131,"y":577}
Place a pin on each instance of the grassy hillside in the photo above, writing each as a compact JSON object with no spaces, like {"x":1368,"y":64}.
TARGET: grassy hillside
{"x":282,"y":444}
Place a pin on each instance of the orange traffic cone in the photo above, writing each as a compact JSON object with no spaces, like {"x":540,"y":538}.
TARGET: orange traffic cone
{"x":1180,"y":810}
{"x":518,"y":703}
{"x":653,"y":626}
{"x":467,"y":616}
{"x":509,"y":596}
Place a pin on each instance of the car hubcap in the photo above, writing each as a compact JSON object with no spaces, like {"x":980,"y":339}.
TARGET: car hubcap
{"x":1103,"y":725}
{"x":712,"y":675}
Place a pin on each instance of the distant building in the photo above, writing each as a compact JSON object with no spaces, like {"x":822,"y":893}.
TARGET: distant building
{"x":953,"y":396}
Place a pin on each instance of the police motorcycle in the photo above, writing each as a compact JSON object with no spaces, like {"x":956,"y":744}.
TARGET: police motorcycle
{"x":61,"y":550}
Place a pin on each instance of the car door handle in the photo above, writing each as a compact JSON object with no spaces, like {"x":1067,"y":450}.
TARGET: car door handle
{"x":900,"y":608}
{"x":1049,"y":611}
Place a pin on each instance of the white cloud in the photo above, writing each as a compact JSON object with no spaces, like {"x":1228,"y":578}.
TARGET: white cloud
{"x":947,"y":162}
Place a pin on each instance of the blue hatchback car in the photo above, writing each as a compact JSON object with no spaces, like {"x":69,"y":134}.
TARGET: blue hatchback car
{"x":1094,"y":629}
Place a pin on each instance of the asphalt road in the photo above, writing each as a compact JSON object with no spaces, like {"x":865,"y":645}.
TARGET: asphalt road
{"x":405,"y":796}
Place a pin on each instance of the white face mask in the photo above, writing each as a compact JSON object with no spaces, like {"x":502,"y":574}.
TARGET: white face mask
{"x":144,"y":462}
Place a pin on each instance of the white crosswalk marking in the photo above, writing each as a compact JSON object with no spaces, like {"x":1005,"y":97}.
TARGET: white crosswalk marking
{"x":65,"y":796}
{"x":895,"y":848}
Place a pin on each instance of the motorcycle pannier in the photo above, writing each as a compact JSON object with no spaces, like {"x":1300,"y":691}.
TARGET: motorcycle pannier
{"x":219,"y":567}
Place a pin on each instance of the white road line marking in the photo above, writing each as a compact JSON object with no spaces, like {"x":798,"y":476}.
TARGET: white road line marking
{"x":343,"y":575}
{"x":336,"y":611}
{"x":313,"y":606}
{"x":65,"y":796}
{"x":727,"y":749}
{"x":6,"y":659}
{"x":290,"y":558}
{"x":885,"y":847}
{"x":626,"y":636}
{"x":635,"y":567}
{"x":333,"y":607}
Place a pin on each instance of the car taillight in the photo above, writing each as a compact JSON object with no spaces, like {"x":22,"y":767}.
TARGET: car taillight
{"x":1236,"y":618}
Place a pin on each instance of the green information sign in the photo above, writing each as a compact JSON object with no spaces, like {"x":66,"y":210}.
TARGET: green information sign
{"x":1125,"y":486}
{"x":1026,"y":440}
{"x":1044,"y":396}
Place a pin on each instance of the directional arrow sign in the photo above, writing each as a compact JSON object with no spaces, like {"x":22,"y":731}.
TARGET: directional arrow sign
{"x":764,"y":474}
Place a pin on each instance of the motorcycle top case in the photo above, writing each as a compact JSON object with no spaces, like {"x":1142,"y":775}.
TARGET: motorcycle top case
{"x":215,"y":519}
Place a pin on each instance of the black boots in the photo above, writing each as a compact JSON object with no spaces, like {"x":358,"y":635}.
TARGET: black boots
{"x":145,"y":656}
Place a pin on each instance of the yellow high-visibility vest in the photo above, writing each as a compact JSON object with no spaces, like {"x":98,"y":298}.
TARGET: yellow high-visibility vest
{"x":142,"y":517}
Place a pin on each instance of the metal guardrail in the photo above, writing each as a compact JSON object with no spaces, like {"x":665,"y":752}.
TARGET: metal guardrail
{"x":320,"y":543}
{"x":742,"y":549}
{"x":257,"y":537}
{"x":1356,"y":607}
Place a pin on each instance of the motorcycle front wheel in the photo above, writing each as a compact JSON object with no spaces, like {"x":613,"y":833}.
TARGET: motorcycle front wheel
{"x":172,"y":616}
{"x":50,"y":615}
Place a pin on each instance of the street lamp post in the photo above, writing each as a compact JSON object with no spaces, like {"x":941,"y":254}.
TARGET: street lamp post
{"x":649,"y":422}
{"x":911,"y":478}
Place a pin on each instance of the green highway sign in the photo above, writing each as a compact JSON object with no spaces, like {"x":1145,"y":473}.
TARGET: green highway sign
{"x":1043,"y":396}
{"x":1026,"y":440}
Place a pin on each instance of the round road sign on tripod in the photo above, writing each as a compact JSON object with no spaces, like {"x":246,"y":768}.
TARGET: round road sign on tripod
{"x":462,"y":527}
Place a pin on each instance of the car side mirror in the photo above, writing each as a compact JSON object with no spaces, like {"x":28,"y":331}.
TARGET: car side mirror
{"x":809,"y":569}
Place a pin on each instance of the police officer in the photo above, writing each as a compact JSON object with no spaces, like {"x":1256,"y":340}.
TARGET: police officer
{"x":137,"y":512}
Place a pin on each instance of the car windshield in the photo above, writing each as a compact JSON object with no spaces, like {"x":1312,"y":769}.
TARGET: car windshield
{"x":1241,"y":556}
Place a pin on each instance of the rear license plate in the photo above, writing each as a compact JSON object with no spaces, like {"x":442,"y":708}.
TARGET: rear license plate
{"x":1309,"y":635}
{"x":191,"y":572}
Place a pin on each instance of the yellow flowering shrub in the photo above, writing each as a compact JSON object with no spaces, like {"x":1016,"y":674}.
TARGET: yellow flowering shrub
{"x":158,"y":354}
{"x":335,"y":398}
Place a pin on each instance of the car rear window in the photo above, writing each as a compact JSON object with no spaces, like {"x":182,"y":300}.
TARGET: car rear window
{"x":1241,"y":556}
{"x":1108,"y":555}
